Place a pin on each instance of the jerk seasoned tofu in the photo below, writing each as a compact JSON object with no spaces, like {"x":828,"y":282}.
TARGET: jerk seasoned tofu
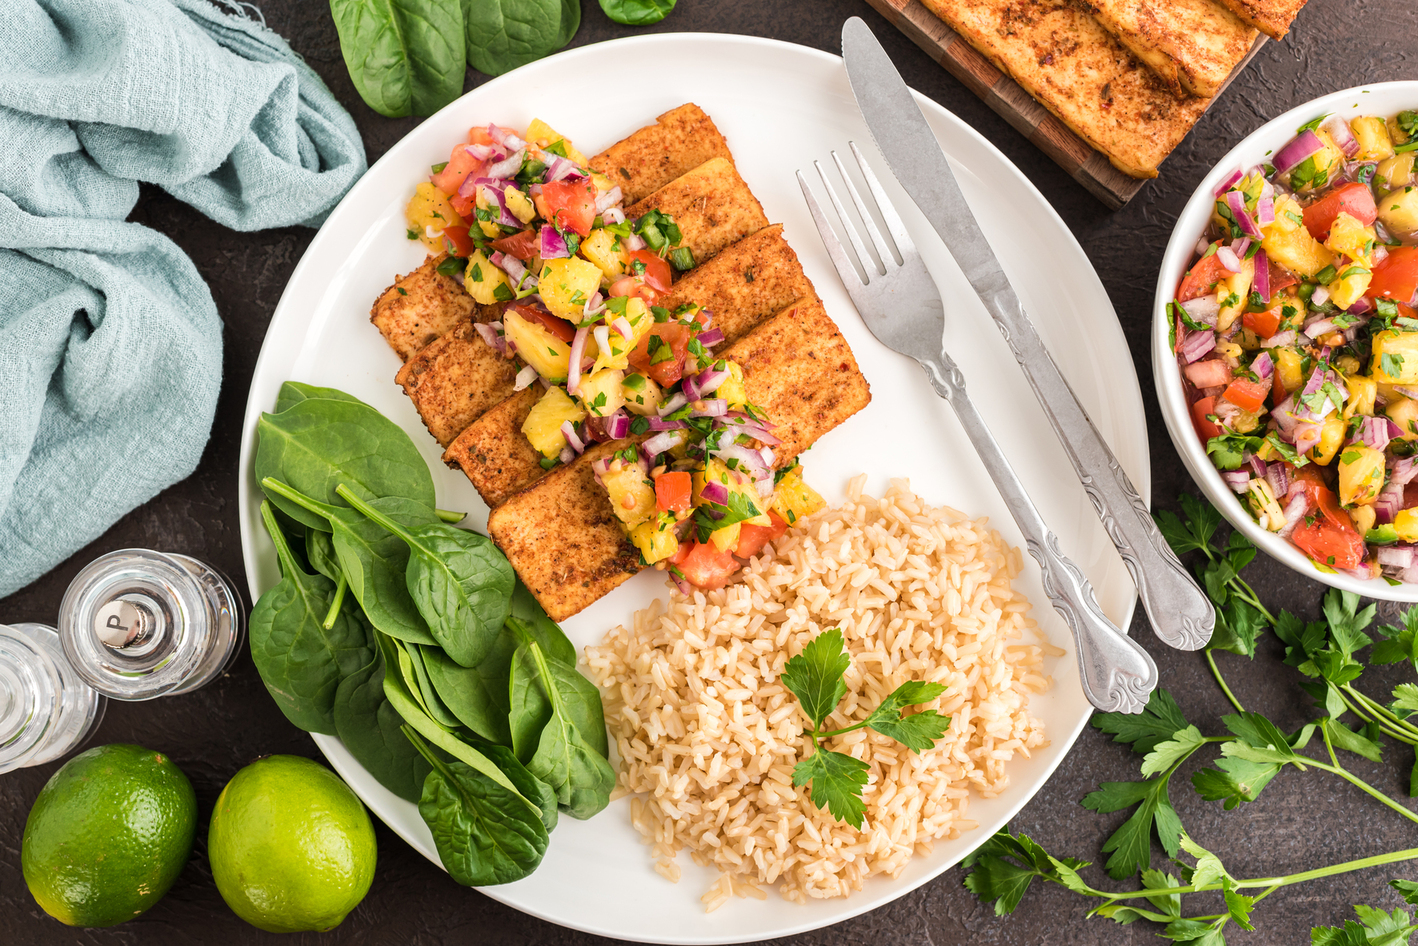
{"x":494,"y":453}
{"x":1271,"y":17}
{"x":711,"y":202}
{"x":1192,"y":45}
{"x":454,"y":380}
{"x":419,"y":307}
{"x":680,"y":140}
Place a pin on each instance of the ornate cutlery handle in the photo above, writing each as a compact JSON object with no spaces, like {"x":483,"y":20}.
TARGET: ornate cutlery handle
{"x":1117,"y":674}
{"x":1181,"y":614}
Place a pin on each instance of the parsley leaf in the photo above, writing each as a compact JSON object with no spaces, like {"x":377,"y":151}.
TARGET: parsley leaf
{"x":1131,"y":844}
{"x":918,"y":732}
{"x":836,"y":781}
{"x":815,"y":675}
{"x":1157,"y":723}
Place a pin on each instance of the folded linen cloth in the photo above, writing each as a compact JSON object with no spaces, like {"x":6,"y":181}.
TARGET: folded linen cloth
{"x":110,"y":343}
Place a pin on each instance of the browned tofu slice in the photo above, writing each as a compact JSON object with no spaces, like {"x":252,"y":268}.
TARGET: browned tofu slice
{"x":712,"y":205}
{"x":800,"y":371}
{"x":419,"y":307}
{"x":563,"y":538}
{"x":1063,"y":57}
{"x":745,"y":283}
{"x":680,"y":140}
{"x":1271,"y":17}
{"x":494,"y":453}
{"x":1191,"y":44}
{"x":454,"y":380}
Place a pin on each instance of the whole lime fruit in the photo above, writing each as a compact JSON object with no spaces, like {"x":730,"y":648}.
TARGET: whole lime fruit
{"x":291,"y":846}
{"x":108,"y":834}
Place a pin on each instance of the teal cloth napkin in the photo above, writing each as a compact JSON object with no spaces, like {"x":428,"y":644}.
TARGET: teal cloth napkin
{"x":110,"y":343}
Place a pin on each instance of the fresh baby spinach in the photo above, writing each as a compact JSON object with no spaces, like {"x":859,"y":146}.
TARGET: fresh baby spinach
{"x":371,"y":730}
{"x":485,"y":833}
{"x":637,"y":12}
{"x":504,"y":34}
{"x":460,"y":582}
{"x":576,"y":771}
{"x":406,"y":57}
{"x":300,"y":660}
{"x":293,"y":392}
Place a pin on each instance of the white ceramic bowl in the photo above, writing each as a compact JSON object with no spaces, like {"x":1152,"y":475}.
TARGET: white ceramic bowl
{"x":1385,"y":98}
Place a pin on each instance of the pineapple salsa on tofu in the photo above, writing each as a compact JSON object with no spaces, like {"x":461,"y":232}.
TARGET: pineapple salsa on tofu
{"x":531,"y":229}
{"x":1298,"y":341}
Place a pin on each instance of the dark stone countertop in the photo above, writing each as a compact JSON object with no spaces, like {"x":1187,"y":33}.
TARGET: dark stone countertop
{"x":1302,"y":821}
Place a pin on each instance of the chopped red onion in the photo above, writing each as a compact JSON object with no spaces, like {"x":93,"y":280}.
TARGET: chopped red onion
{"x":1284,"y":415}
{"x":1263,"y":365}
{"x":710,"y":338}
{"x":525,"y":377}
{"x":1196,"y":345}
{"x":1262,"y":277}
{"x":1279,"y":339}
{"x":1265,"y":211}
{"x":1294,"y":514}
{"x":573,"y":368}
{"x":1388,"y":504}
{"x":1320,"y":326}
{"x":1239,"y":247}
{"x":613,"y":215}
{"x":513,"y":267}
{"x":602,"y":334}
{"x":593,"y":304}
{"x":1307,"y":435}
{"x":567,"y":455}
{"x":1228,"y":182}
{"x":1205,"y":309}
{"x":1374,"y":431}
{"x":623,"y":326}
{"x":489,"y":335}
{"x":1360,"y":307}
{"x":558,"y":169}
{"x":618,"y":425}
{"x":710,"y":407}
{"x":717,"y":493}
{"x":1202,"y":245}
{"x":1238,"y":480}
{"x":508,"y":166}
{"x":1227,"y":258}
{"x":1257,"y":465}
{"x":742,"y":423}
{"x":661,"y":442}
{"x":659,"y":423}
{"x":568,"y":430}
{"x":608,"y":200}
{"x":505,"y":137}
{"x":1338,"y":129}
{"x":1278,"y":477}
{"x":1396,"y":556}
{"x":709,"y":380}
{"x":551,"y":244}
{"x":1299,"y":148}
{"x":481,"y":152}
{"x":634,"y":242}
{"x":1321,"y":295}
{"x":677,"y":401}
{"x":1403,"y":471}
{"x":1237,"y":202}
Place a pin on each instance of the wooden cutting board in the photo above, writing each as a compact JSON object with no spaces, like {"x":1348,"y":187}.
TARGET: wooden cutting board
{"x":1089,"y":167}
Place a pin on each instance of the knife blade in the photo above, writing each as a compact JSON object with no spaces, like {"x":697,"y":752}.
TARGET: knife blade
{"x":1180,"y":612}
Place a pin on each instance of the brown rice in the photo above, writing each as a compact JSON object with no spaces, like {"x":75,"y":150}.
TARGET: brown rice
{"x":708,"y":738}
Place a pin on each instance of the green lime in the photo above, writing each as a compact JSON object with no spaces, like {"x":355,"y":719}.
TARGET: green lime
{"x":292,"y":848}
{"x":108,"y":834}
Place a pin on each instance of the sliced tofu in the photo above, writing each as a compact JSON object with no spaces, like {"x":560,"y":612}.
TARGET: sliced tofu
{"x":563,"y":538}
{"x":1064,"y":58}
{"x":494,"y":453}
{"x":1192,"y":45}
{"x":419,"y":307}
{"x":745,"y":283}
{"x":454,"y":380}
{"x":800,"y":371}
{"x":680,"y":140}
{"x":1271,"y":17}
{"x":712,"y":205}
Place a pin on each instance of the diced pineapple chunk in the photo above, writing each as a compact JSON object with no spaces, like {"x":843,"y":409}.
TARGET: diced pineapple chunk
{"x":641,"y":395}
{"x":1405,"y":523}
{"x":1362,"y":393}
{"x":1398,"y":210}
{"x":1395,"y":357}
{"x":567,"y":284}
{"x":1297,"y":251}
{"x":1320,"y":168}
{"x":1289,"y":216}
{"x":544,"y":136}
{"x":795,"y":499}
{"x":1351,"y":238}
{"x":655,"y":538}
{"x":1404,"y":413}
{"x":520,"y":204}
{"x":732,"y":390}
{"x":727,"y":538}
{"x":485,"y":282}
{"x":1232,"y":293}
{"x":1262,"y":500}
{"x":1361,"y":474}
{"x":543,"y":425}
{"x":1331,"y":437}
{"x":1350,"y":284}
{"x":427,"y":210}
{"x":1288,"y":368}
{"x":538,"y":347}
{"x":1372,"y":133}
{"x":485,"y":199}
{"x":715,"y":470}
{"x":599,"y":391}
{"x":1363,"y":517}
{"x":1395,"y":172}
{"x":603,"y":248}
{"x":631,"y":492}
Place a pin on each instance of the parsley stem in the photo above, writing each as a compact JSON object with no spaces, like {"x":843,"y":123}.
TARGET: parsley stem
{"x":1362,"y":785}
{"x":838,"y":732}
{"x":1275,"y":883}
{"x":1221,"y":682}
{"x":1400,"y":728}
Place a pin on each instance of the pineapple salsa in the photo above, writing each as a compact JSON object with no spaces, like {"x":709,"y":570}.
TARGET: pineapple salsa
{"x":1298,"y":341}
{"x":530,"y":228}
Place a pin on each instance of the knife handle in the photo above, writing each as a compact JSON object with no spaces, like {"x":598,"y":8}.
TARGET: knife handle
{"x":1181,"y":614}
{"x":1116,"y":673}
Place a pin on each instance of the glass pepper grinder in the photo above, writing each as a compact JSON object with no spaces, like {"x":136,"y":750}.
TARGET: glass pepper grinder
{"x":137,"y":624}
{"x":46,"y":710}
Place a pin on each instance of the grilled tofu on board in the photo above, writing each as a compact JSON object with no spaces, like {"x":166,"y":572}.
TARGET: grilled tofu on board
{"x":1192,"y":45}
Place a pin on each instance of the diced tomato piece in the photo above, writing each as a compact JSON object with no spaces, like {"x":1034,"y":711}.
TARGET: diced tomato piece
{"x":634,"y":287}
{"x":664,"y":369}
{"x":657,"y":271}
{"x":1211,"y":373}
{"x":1280,"y":278}
{"x":571,"y":205}
{"x":1397,"y":276}
{"x":1201,"y":278}
{"x":1248,"y":395}
{"x":1205,"y":428}
{"x":521,"y":245}
{"x":705,"y":567}
{"x":1264,"y":324}
{"x":561,"y":328}
{"x":460,"y":165}
{"x":672,"y":491}
{"x":1354,"y":199}
{"x":458,"y":241}
{"x":752,"y":539}
{"x":479,"y":136}
{"x":1326,"y":534}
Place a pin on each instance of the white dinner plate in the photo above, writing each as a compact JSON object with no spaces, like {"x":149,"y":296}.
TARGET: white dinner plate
{"x":781,"y":107}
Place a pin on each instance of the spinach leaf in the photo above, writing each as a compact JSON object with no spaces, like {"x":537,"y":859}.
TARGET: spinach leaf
{"x":317,"y":444}
{"x":406,"y":57}
{"x":581,"y":776}
{"x":300,"y":662}
{"x":530,"y":619}
{"x":528,"y":785}
{"x":372,"y":560}
{"x":637,"y":12}
{"x":320,"y":552}
{"x":504,"y":34}
{"x":580,"y":698}
{"x":293,"y":392}
{"x":432,"y":702}
{"x":477,"y":696}
{"x":485,"y":833}
{"x":370,"y":728}
{"x":460,"y":582}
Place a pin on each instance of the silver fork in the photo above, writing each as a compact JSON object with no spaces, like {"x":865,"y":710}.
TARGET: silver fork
{"x":901,"y":304}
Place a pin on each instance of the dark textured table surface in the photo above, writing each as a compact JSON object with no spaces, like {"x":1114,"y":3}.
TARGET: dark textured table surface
{"x":1303,"y":820}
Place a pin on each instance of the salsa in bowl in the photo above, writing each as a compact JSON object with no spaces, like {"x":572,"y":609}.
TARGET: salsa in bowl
{"x":1285,"y":342}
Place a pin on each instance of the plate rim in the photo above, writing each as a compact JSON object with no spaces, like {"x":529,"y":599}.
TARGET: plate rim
{"x":333,"y":749}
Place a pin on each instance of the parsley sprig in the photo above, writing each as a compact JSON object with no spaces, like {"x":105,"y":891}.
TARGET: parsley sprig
{"x":816,"y":678}
{"x":1252,"y":753}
